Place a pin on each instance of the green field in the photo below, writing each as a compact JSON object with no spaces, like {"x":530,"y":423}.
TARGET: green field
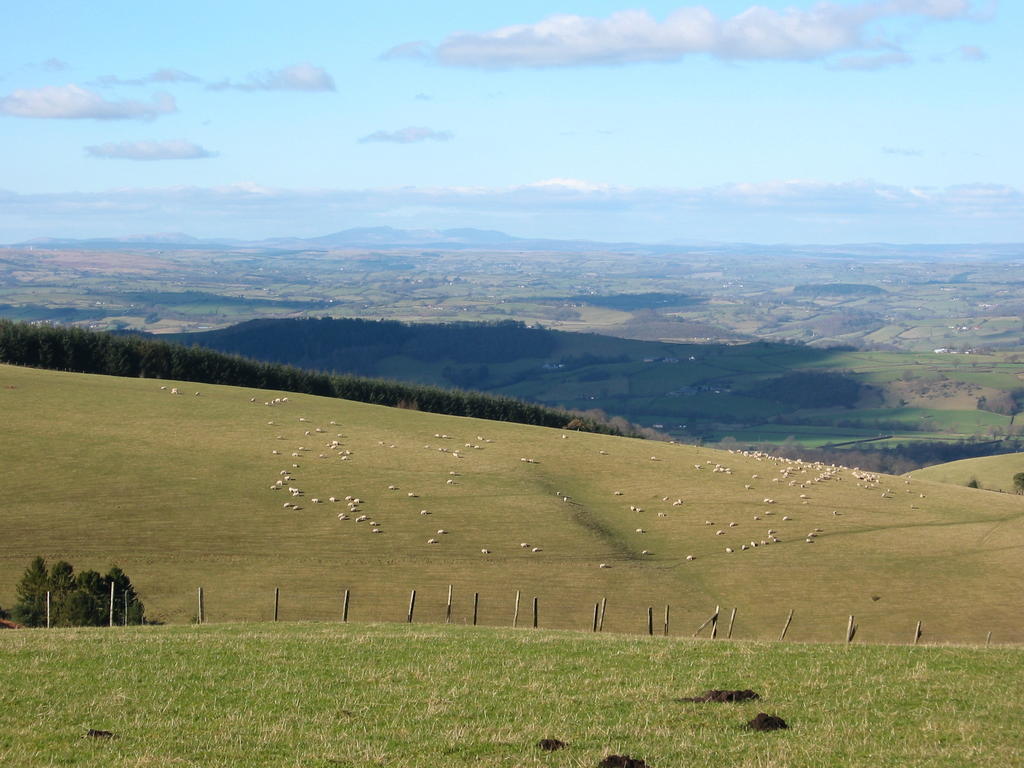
{"x":176,"y":490}
{"x":993,"y":473}
{"x":372,"y":695}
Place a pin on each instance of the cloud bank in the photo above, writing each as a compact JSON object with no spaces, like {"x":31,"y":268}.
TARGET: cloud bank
{"x":174,"y":149}
{"x":791,"y":34}
{"x":72,"y":102}
{"x":790,"y":210}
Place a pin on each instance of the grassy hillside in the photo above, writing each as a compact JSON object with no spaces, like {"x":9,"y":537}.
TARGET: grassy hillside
{"x":371,"y":695}
{"x":176,"y":490}
{"x":993,"y":473}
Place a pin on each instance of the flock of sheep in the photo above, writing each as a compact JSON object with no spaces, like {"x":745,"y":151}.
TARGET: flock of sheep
{"x":764,"y":528}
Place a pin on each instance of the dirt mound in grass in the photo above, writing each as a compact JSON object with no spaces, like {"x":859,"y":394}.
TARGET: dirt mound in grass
{"x":717,"y":695}
{"x":766,"y":722}
{"x":622,"y":761}
{"x":551,"y":745}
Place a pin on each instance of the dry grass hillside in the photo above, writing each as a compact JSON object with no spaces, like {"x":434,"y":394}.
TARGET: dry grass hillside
{"x":177,"y":490}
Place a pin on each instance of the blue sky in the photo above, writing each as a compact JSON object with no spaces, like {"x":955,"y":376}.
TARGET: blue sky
{"x":843,"y":121}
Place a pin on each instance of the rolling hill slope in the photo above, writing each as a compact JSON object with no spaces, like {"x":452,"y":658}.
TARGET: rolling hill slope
{"x":993,"y":473}
{"x":177,"y":491}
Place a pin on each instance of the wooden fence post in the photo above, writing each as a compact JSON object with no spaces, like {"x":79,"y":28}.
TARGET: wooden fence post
{"x":277,"y":600}
{"x":448,"y":610}
{"x":476,"y":606}
{"x":111,"y":604}
{"x":650,"y":620}
{"x":515,"y":613}
{"x":604,"y":606}
{"x":202,"y":612}
{"x":732,"y":620}
{"x":988,"y":639}
{"x":666,"y":620}
{"x":851,"y":629}
{"x":412,"y":606}
{"x":714,"y":623}
{"x":789,"y":620}
{"x":917,"y":633}
{"x":344,"y":608}
{"x":597,"y":610}
{"x":536,"y":615}
{"x":47,"y":609}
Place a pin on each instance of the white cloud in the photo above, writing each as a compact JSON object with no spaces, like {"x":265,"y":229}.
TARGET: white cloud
{"x":72,"y":102}
{"x":871,"y":62}
{"x":410,"y":135}
{"x":166,"y":75}
{"x":972,"y":53}
{"x":53,"y":64}
{"x":823,"y":30}
{"x":299,"y":77}
{"x":174,"y":149}
{"x":905,"y":152}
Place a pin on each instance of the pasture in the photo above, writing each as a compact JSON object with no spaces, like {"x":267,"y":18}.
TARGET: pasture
{"x":176,"y":489}
{"x":993,"y":473}
{"x":370,"y":695}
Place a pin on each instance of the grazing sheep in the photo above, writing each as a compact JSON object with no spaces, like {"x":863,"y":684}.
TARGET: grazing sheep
{"x":786,"y":517}
{"x":719,"y":533}
{"x":690,"y":557}
{"x":424,"y":512}
{"x":733,"y":525}
{"x":524,"y":545}
{"x":645,"y":552}
{"x":743,"y":546}
{"x":640,"y":530}
{"x":604,"y":565}
{"x":342,"y":516}
{"x":431,"y":541}
{"x":617,"y":493}
{"x":315,"y":501}
{"x":536,"y":549}
{"x":441,"y":532}
{"x":485,"y":551}
{"x":728,"y":550}
{"x":411,"y":495}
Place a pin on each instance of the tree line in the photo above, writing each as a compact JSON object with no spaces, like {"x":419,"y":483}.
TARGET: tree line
{"x":75,"y":349}
{"x":76,"y":599}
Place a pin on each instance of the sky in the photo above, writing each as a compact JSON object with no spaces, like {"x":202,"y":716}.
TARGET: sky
{"x":803,"y":122}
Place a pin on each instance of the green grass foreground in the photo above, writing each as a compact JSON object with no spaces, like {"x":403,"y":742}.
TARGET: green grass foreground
{"x":369,"y":695}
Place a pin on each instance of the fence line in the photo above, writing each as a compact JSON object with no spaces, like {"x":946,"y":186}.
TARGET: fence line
{"x":596,"y":623}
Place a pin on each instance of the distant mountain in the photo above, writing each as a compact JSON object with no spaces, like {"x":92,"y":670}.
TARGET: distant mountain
{"x":468,"y":238}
